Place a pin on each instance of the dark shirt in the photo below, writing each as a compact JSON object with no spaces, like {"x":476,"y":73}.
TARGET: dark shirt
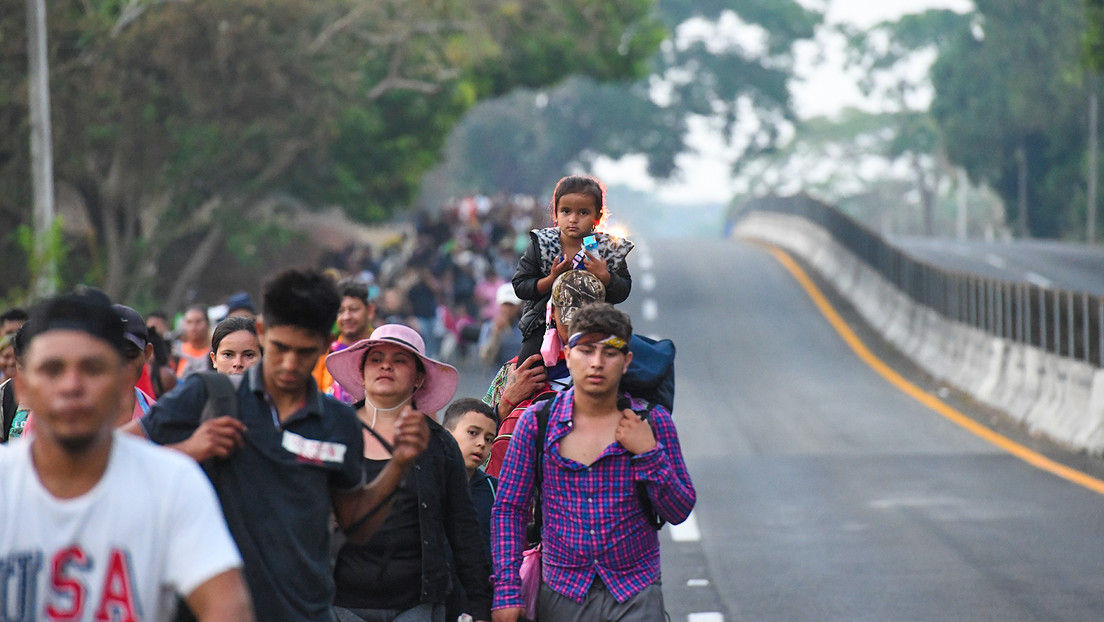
{"x":448,"y":523}
{"x":483,"y":491}
{"x":423,"y":301}
{"x":385,"y":572}
{"x":536,"y":263}
{"x":276,"y":490}
{"x":8,"y":405}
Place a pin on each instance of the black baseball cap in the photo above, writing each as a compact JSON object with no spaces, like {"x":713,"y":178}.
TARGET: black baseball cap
{"x":134,"y":326}
{"x":87,"y":311}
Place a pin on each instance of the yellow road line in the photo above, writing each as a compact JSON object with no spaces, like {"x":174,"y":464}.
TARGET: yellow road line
{"x":1023,"y":453}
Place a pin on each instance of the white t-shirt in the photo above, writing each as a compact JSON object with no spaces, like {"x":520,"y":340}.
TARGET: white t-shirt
{"x":151,"y":526}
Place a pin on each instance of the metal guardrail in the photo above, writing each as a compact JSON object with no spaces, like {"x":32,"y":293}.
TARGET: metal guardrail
{"x":1062,"y":322}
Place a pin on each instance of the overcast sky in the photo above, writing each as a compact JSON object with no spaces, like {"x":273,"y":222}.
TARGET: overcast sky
{"x":823,"y":88}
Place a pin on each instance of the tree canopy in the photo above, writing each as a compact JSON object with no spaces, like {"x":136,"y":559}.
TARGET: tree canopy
{"x":1011,"y":105}
{"x":740,"y":84}
{"x":1009,"y":92}
{"x":178,"y":125}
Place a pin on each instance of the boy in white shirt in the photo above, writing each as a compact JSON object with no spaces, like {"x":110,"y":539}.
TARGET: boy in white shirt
{"x":94,"y":524}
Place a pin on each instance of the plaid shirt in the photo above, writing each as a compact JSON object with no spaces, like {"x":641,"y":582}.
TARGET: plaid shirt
{"x":593,"y":521}
{"x":498,"y":384}
{"x":558,"y":378}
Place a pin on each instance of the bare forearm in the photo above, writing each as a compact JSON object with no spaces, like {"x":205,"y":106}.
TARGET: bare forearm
{"x":239,"y":611}
{"x":513,"y":395}
{"x":375,"y":499}
{"x":185,"y":448}
{"x":224,"y":598}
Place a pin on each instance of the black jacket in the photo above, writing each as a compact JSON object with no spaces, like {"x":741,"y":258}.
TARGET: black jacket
{"x":536,"y":263}
{"x":447,"y":521}
{"x":8,"y":406}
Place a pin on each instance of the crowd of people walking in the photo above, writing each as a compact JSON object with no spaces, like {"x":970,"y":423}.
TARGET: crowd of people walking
{"x":324,"y":467}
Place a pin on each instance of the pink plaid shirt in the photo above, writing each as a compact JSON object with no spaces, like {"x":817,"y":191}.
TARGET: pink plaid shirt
{"x":593,"y":521}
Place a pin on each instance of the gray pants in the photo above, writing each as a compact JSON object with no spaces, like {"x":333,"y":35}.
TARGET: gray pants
{"x":426,"y":612}
{"x":601,"y":606}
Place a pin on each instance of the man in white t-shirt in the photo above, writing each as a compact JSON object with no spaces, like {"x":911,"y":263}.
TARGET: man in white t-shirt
{"x":96,"y":525}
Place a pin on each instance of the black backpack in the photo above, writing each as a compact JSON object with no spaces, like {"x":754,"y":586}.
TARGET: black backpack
{"x":222,"y":396}
{"x":222,"y":400}
{"x":8,"y":407}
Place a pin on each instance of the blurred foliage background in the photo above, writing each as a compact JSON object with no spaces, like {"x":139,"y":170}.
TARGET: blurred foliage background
{"x":190,"y":134}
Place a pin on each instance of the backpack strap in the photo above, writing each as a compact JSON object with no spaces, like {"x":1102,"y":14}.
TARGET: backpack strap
{"x":543,"y":413}
{"x":494,"y":491}
{"x":222,"y":398}
{"x":383,"y":503}
{"x":654,"y":519}
{"x":7,"y":409}
{"x":382,"y":441}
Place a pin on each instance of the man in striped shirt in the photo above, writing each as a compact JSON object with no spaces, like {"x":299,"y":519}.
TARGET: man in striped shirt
{"x":600,"y":553}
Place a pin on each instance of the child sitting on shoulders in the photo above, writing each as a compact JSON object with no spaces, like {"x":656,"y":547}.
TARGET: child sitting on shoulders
{"x":578,"y":209}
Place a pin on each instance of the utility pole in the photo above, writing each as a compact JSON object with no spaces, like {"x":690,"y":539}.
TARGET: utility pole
{"x":42,"y":151}
{"x":1021,"y":190}
{"x":1090,"y":208}
{"x":963,"y":198}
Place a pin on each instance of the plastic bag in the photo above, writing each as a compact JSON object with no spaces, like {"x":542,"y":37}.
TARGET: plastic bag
{"x":531,"y":580}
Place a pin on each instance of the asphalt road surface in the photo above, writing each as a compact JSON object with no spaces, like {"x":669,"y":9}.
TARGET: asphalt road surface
{"x":825,"y":493}
{"x":1051,"y":264}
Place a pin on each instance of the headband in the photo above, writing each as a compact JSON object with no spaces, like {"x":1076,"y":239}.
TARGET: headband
{"x":612,"y":341}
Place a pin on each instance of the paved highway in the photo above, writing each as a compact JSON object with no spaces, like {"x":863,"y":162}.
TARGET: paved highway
{"x":1075,"y":267}
{"x":826,"y":493}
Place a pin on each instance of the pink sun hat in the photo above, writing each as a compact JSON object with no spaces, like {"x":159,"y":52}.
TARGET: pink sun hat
{"x":347,"y":367}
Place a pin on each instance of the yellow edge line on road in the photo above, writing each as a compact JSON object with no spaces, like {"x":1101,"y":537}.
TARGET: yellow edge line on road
{"x":1023,"y":453}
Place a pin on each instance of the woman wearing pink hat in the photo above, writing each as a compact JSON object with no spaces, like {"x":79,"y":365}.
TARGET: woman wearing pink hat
{"x":405,"y":571}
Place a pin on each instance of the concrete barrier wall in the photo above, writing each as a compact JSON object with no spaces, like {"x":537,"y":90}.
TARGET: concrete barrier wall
{"x":1059,"y":397}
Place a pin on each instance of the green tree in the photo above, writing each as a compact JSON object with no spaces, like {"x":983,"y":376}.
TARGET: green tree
{"x":182,"y":124}
{"x":910,"y":134}
{"x":1094,"y":62}
{"x":15,"y":172}
{"x":1010,"y":105}
{"x":525,"y":141}
{"x":1094,"y":35}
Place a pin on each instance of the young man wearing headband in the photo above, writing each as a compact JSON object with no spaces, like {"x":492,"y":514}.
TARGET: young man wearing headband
{"x":98,"y":525}
{"x":600,"y":553}
{"x":291,"y":457}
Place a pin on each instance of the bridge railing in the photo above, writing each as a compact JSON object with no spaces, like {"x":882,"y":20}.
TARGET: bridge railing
{"x":1063,"y":322}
